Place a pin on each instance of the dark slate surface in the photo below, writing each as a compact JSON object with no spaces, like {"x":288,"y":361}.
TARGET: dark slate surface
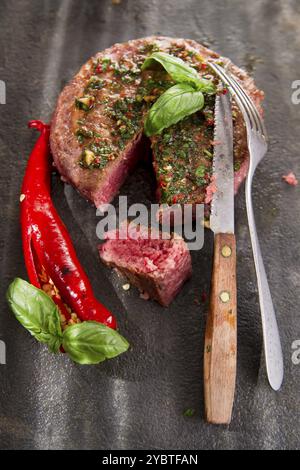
{"x":138,"y":400}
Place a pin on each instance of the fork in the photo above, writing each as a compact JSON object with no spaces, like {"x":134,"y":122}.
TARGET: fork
{"x":258,"y":146}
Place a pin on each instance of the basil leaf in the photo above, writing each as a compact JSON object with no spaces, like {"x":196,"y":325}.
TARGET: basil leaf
{"x":177,"y":102}
{"x":36,"y":311}
{"x":91,"y":342}
{"x":176,"y":68}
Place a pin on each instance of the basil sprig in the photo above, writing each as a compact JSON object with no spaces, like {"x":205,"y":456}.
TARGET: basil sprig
{"x":176,"y":103}
{"x":88,"y":342}
{"x":179,"y":101}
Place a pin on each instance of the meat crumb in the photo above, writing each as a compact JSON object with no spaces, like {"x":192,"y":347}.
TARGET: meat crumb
{"x":290,"y":179}
{"x":144,"y":295}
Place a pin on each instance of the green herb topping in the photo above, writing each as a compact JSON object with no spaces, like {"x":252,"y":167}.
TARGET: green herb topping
{"x":83,"y":133}
{"x":85,"y":102}
{"x":189,"y":412}
{"x":95,"y":83}
{"x":237,"y":166}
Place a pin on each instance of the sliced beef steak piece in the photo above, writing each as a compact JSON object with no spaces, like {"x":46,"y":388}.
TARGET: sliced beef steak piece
{"x":96,"y":131}
{"x":155,"y":266}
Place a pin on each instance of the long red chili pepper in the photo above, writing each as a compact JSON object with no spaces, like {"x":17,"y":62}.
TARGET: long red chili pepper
{"x":46,"y":241}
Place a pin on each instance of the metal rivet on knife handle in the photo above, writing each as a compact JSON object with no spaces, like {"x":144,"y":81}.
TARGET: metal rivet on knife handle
{"x":226,"y":251}
{"x":225,"y":297}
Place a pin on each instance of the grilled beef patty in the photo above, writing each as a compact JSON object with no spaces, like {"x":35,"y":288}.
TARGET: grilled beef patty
{"x":96,"y":131}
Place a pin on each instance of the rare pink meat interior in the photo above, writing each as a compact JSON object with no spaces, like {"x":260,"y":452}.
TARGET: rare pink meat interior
{"x":155,"y":266}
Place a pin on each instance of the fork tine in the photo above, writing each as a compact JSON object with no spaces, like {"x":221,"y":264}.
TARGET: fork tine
{"x":245,"y":103}
{"x":239,"y":93}
{"x":258,"y":119}
{"x":225,"y":78}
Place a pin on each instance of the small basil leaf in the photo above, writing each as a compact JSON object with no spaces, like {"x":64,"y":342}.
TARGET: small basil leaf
{"x":176,"y":68}
{"x":177,"y":102}
{"x":91,"y":342}
{"x":36,"y":311}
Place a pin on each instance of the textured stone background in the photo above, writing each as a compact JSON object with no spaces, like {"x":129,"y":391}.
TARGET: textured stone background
{"x":138,"y":400}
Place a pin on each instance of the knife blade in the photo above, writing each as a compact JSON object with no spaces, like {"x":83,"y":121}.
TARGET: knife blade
{"x":223,"y":198}
{"x":221,"y":329}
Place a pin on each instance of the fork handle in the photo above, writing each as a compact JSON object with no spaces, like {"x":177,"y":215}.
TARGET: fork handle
{"x":272,"y":345}
{"x":221,"y":333}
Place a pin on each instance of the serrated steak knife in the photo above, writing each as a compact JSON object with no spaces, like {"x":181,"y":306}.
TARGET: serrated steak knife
{"x":221,"y":329}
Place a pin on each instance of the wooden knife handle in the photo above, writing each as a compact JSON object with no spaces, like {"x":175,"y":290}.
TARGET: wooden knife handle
{"x":221,"y":333}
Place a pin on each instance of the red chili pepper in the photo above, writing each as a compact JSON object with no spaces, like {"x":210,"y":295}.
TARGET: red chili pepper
{"x":46,"y":241}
